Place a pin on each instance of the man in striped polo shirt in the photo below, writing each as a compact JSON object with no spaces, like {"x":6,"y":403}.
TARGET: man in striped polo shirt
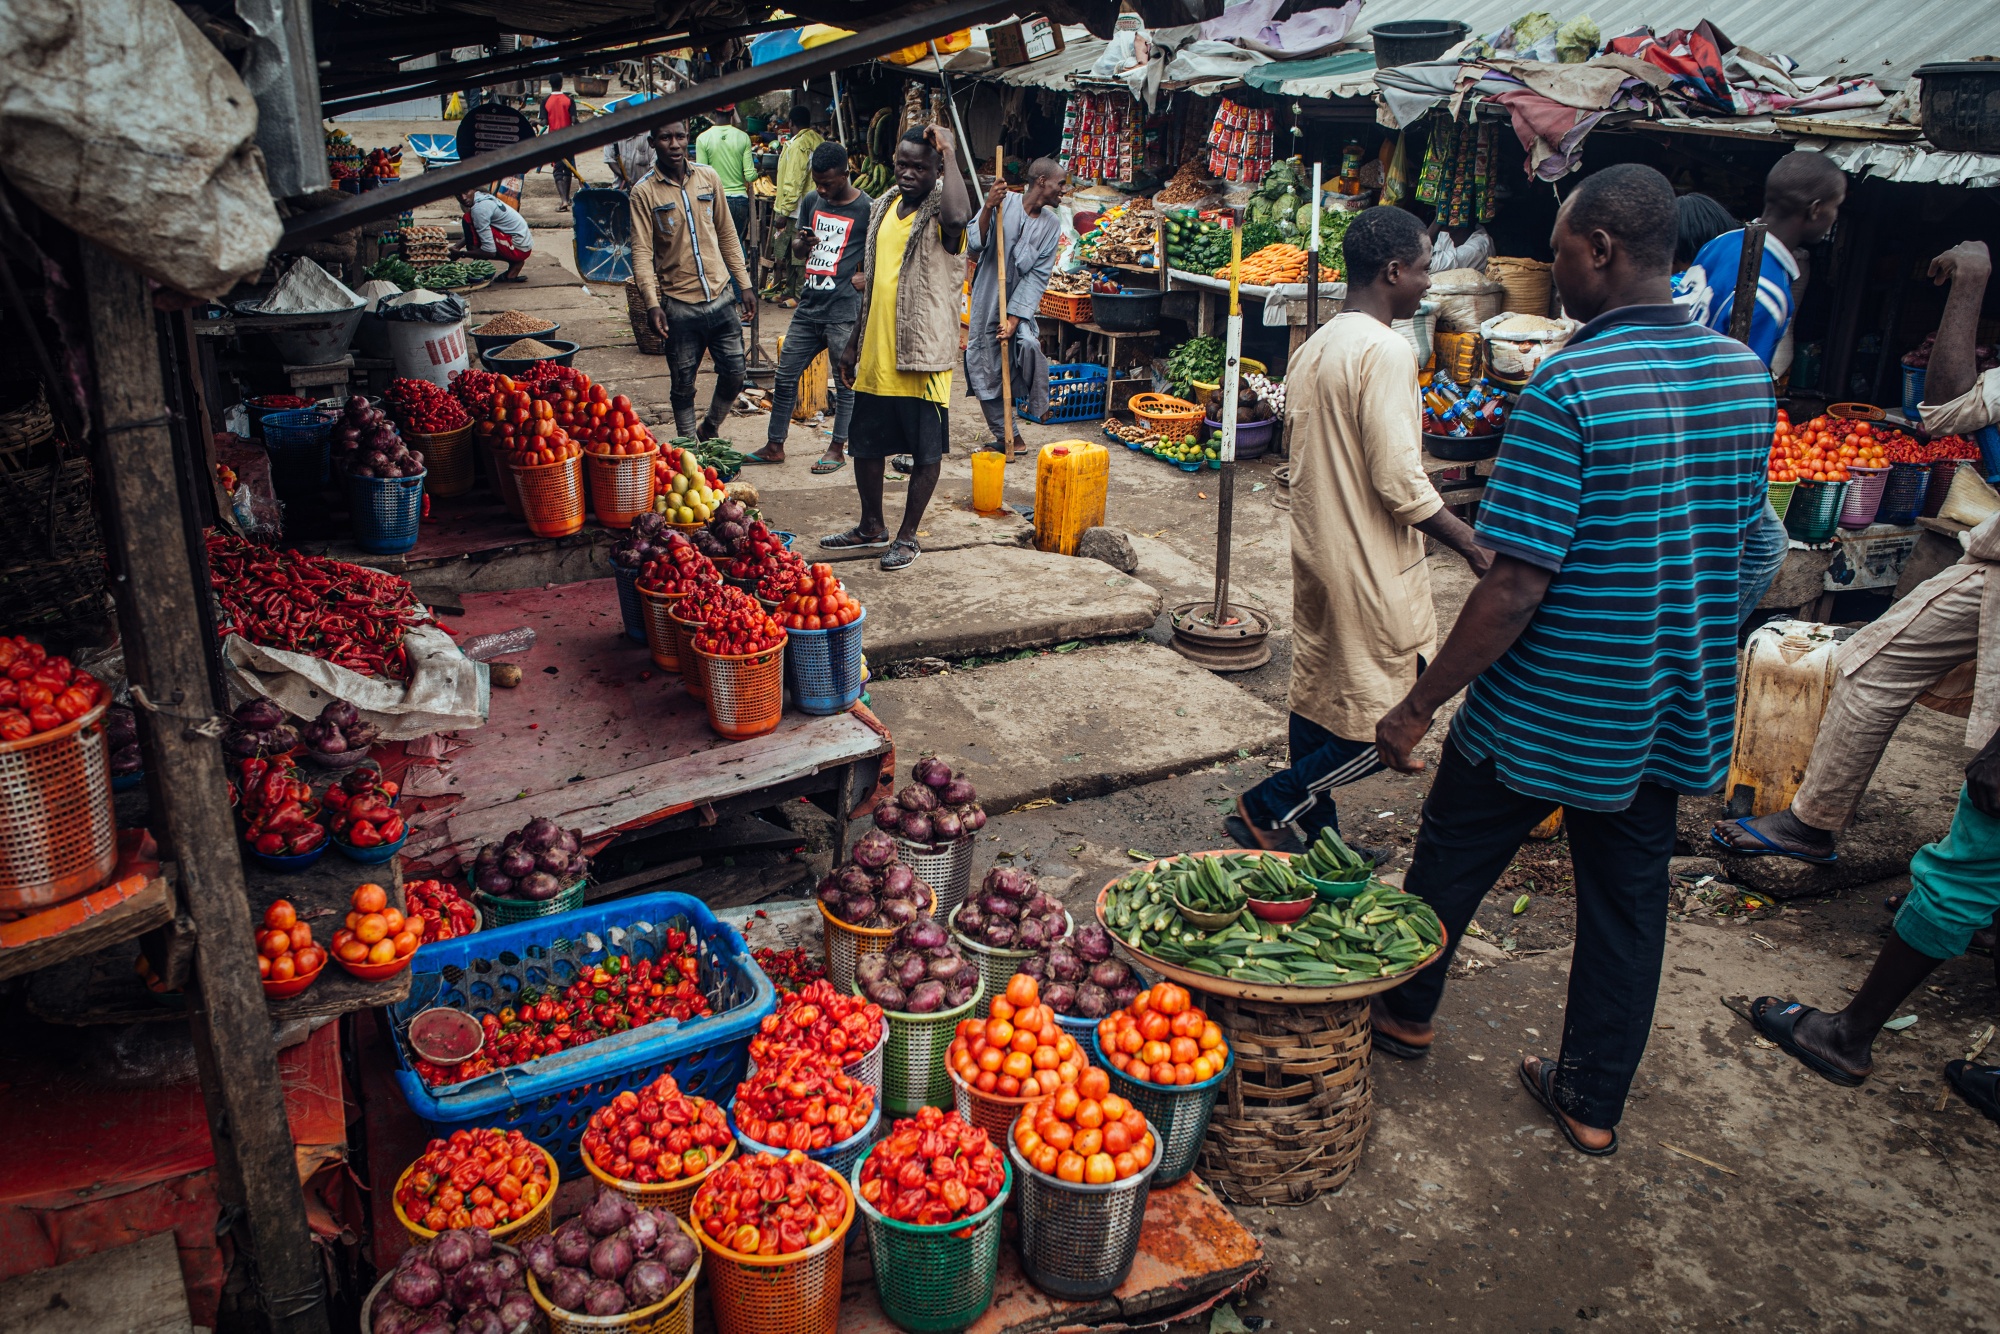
{"x":1601,"y":649}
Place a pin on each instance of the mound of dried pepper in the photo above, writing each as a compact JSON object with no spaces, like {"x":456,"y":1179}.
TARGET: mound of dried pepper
{"x":350,"y":615}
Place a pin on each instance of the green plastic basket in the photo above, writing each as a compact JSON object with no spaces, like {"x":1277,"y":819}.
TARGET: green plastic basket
{"x":937,"y":1278}
{"x":1781,"y":496}
{"x":1814,"y":511}
{"x":1179,"y":1112}
{"x":996,"y":965}
{"x":914,"y":1073}
{"x":505,"y":912}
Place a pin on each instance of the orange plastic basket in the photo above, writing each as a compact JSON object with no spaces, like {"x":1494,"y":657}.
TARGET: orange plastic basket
{"x":674,"y":1315}
{"x":779,"y":1294}
{"x":1856,"y":412}
{"x":514,"y":1233}
{"x":661,"y":636}
{"x":57,"y":835}
{"x":447,"y":459}
{"x":500,"y":476}
{"x":1073,"y":309}
{"x":693,"y":678}
{"x":1174,"y":418}
{"x":746,"y":691}
{"x":551,"y":496}
{"x":621,"y":486}
{"x":674,"y":1196}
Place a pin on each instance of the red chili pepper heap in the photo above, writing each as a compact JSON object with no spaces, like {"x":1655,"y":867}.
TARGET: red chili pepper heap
{"x":614,"y":996}
{"x":446,"y":914}
{"x":476,"y":1178}
{"x":280,"y":817}
{"x":347,"y":614}
{"x":933,"y":1168}
{"x":801,"y":1099}
{"x":39,"y":693}
{"x":817,"y":1018}
{"x":767,"y":1205}
{"x":657,"y":1134}
{"x":789,"y":970}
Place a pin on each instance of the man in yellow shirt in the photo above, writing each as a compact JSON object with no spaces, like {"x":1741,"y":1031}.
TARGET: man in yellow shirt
{"x":905,"y":341}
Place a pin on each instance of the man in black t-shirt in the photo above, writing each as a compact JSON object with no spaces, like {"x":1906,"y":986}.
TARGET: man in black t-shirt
{"x":831,"y":238}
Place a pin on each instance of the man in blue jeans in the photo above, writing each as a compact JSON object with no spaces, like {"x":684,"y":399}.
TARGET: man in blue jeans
{"x":1601,"y":648}
{"x":831,"y":237}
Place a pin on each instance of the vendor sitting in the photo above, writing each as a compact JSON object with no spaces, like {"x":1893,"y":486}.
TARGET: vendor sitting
{"x":495,"y":231}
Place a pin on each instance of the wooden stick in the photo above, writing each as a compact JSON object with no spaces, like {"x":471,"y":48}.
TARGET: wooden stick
{"x":1705,"y":1162}
{"x":1006,"y":355}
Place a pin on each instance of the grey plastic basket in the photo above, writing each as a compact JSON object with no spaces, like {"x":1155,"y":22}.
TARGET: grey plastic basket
{"x":1078,"y":1241}
{"x":948,"y":869}
{"x":1178,"y":1113}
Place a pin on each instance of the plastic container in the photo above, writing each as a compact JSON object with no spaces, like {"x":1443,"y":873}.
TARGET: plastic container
{"x":1864,"y":496}
{"x":1178,"y":1113}
{"x":823,"y":667}
{"x":1253,"y":439}
{"x":673,"y":1196}
{"x":661,"y":637}
{"x":997,"y":965}
{"x":385,"y":511}
{"x":1414,"y":41}
{"x":989,"y":481}
{"x":447,"y":459}
{"x":514,"y":1233}
{"x":1078,"y":392}
{"x":305,"y":346}
{"x":564,"y":354}
{"x":746,"y":691}
{"x":1078,"y":1241}
{"x":483,"y":343}
{"x":1126,"y":312}
{"x":629,"y":609}
{"x":675,"y":1315}
{"x":295,"y":862}
{"x":1913,"y":391}
{"x":551,"y":496}
{"x":842,"y":1157}
{"x":621,"y":486}
{"x":1988,"y":440}
{"x":550,"y":1099}
{"x":297,"y":441}
{"x":1787,"y":675}
{"x":506,"y":912}
{"x":57,"y":835}
{"x":1961,"y":105}
{"x":779,"y":1294}
{"x":1815,"y":511}
{"x":844,"y":945}
{"x":937,"y":1278}
{"x":1071,"y":477}
{"x":424,"y":351}
{"x":694,"y":676}
{"x":1903,"y":497}
{"x":1068,"y":309}
{"x":946,"y":868}
{"x":291,"y":986}
{"x":374,"y":856}
{"x":914,"y":1073}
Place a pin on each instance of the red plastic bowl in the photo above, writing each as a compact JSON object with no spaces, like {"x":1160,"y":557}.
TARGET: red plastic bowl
{"x":291,"y":986}
{"x":1282,"y":912}
{"x":375,"y":972}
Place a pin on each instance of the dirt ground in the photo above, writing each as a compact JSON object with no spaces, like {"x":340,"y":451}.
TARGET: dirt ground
{"x":1746,"y":1193}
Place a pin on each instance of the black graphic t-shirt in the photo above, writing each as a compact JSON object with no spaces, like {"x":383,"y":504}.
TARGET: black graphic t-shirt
{"x":840,"y":243}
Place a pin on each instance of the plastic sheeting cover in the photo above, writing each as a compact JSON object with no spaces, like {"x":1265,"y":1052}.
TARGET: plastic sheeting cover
{"x":124,"y":123}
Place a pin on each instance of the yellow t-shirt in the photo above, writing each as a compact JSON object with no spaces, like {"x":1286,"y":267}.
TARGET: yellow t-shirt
{"x":877,"y":373}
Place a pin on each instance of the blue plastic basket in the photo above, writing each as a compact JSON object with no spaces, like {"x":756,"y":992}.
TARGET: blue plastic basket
{"x":785,"y":537}
{"x":628,"y":603}
{"x":1988,"y":440}
{"x":385,"y":511}
{"x":550,"y":1099}
{"x":823,"y":667}
{"x":297,"y":441}
{"x":1077,"y":393}
{"x":839,"y":1157}
{"x":1903,"y":497}
{"x":374,"y":856}
{"x":1913,"y":390}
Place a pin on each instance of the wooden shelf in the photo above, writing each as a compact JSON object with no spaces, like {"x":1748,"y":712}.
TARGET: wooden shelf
{"x":125,"y":919}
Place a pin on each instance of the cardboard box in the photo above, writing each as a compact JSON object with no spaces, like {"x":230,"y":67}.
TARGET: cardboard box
{"x":1023,"y":40}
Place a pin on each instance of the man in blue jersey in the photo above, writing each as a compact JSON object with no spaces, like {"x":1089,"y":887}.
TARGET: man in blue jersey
{"x":1802,"y":197}
{"x":1601,"y":648}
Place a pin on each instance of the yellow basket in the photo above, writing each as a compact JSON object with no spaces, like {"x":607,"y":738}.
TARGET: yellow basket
{"x":675,"y":1315}
{"x":447,"y":459}
{"x":1174,"y":418}
{"x":674,"y":1196}
{"x":1244,"y":364}
{"x":779,"y":1294}
{"x":514,"y":1233}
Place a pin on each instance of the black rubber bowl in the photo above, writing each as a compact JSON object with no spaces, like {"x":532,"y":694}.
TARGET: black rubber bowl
{"x":1132,"y":312}
{"x":1463,"y":449}
{"x":494,"y":342}
{"x":515,"y":365}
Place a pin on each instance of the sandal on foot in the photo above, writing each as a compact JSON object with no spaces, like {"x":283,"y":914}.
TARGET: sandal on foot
{"x":1245,"y":833}
{"x":1769,"y":848}
{"x":1541,"y":1087}
{"x":903,"y":553}
{"x":1977,"y":1084}
{"x":855,"y":540}
{"x":1778,"y":1019}
{"x":824,"y":465}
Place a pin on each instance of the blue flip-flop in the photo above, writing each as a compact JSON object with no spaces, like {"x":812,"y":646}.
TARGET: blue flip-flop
{"x":1769,"y":849}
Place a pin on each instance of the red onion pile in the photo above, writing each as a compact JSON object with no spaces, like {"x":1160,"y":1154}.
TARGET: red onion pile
{"x":458,"y":1284}
{"x":536,"y":862}
{"x":339,"y":731}
{"x":612,"y":1258}
{"x":938,"y":807}
{"x":259,"y":728}
{"x":645,"y":539}
{"x":1080,"y":977}
{"x":921,"y":973}
{"x":366,"y":444}
{"x":1010,"y":912}
{"x":724,"y":534}
{"x":874,"y":889}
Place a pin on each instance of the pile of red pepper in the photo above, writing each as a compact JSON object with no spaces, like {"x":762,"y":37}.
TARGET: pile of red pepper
{"x":1904,"y":449}
{"x":657,"y":1134}
{"x":738,"y":626}
{"x":38,"y":692}
{"x":472,"y":388}
{"x":445,"y":913}
{"x":781,"y":574}
{"x":347,"y":614}
{"x":476,"y":1178}
{"x":361,"y":810}
{"x":757,"y":552}
{"x":279,"y":815}
{"x":789,"y":970}
{"x":423,"y":407}
{"x":933,"y":1168}
{"x":768,"y":1205}
{"x":801,"y":1099}
{"x":680,"y":570}
{"x":818,"y":1018}
{"x":615,"y":996}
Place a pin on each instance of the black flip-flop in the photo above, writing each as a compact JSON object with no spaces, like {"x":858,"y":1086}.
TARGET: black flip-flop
{"x":1977,"y":1084}
{"x":852,"y":540}
{"x":1770,"y":849}
{"x":1239,"y":830}
{"x":1541,"y":1087}
{"x":1778,"y":1024}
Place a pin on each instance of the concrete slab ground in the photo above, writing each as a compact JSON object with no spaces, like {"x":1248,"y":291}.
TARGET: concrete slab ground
{"x":979,"y":600}
{"x":1075,"y":724}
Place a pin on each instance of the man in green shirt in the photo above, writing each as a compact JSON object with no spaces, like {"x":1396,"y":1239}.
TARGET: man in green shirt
{"x":725,"y":148}
{"x":794,"y":180}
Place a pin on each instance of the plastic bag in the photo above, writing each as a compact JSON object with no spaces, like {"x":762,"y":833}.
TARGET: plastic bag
{"x":422,"y":306}
{"x":1577,"y":40}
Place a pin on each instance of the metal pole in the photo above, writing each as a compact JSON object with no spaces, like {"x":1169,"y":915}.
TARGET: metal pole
{"x":839,"y":121}
{"x":1006,"y":344}
{"x":1226,"y":500}
{"x":957,"y":125}
{"x":1312,"y":261}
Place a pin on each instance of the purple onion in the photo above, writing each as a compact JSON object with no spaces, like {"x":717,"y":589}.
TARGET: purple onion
{"x":874,"y":850}
{"x":916,"y":827}
{"x":931,"y":771}
{"x":958,"y":792}
{"x":417,"y":1286}
{"x":605,"y":1214}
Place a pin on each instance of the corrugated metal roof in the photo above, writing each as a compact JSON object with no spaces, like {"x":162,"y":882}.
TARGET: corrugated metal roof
{"x":1840,"y":38}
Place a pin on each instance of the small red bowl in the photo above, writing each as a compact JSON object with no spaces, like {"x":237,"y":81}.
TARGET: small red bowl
{"x":375,"y":972}
{"x":291,"y":986}
{"x":1289,"y":911}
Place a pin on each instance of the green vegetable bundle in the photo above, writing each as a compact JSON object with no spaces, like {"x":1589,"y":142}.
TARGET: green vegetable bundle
{"x":1330,"y":859}
{"x":1197,"y":359}
{"x":393,"y":269}
{"x":458,"y":273}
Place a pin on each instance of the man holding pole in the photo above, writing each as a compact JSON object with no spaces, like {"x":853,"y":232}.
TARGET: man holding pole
{"x":1029,"y":234}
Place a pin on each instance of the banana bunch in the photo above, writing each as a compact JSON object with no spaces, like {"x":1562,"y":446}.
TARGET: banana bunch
{"x":872,"y":178}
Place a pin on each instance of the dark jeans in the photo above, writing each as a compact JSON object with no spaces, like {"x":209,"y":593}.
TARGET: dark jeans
{"x":803,"y":341}
{"x":691,"y":330}
{"x":1473,"y":825}
{"x":739,"y":213}
{"x":1303,"y":794}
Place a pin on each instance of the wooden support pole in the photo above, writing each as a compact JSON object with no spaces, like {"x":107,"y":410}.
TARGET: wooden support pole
{"x":999,"y":240}
{"x":166,"y":658}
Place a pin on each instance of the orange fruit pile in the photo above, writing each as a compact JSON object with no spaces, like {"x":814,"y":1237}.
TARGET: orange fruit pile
{"x":376,"y":931}
{"x":1824,"y":449}
{"x":1017,"y":1051}
{"x":1161,"y":1038}
{"x":1084,"y":1132}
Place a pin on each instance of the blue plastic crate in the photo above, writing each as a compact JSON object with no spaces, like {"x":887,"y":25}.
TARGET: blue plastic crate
{"x":1913,"y":390}
{"x":1077,"y":393}
{"x":550,"y":1099}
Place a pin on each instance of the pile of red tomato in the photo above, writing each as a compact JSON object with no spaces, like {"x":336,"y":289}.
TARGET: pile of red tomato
{"x":1825,"y":448}
{"x":758,"y":551}
{"x":681,"y":570}
{"x":1085,"y":1133}
{"x":285,"y":948}
{"x":737,"y":625}
{"x":764,"y":1204}
{"x":817,"y":1018}
{"x":1161,"y":1038}
{"x":782,"y":573}
{"x":375,"y":930}
{"x":801,"y":1099}
{"x":604,"y":422}
{"x":475,"y":1178}
{"x":1018,"y":1050}
{"x":656,"y":1134}
{"x":40,"y":692}
{"x":818,"y":603}
{"x":932,"y":1169}
{"x":523,"y":426}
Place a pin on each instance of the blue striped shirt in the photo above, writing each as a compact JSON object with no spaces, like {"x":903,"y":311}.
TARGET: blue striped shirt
{"x":1633,"y":467}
